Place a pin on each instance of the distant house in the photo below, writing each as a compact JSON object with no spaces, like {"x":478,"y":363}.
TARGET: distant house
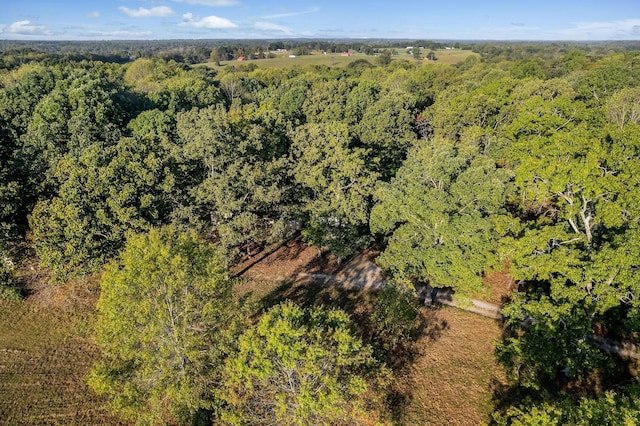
{"x":242,"y":58}
{"x":346,"y":53}
{"x":292,"y":56}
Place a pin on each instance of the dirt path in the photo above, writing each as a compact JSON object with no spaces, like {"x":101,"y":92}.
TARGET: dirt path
{"x":298,"y":262}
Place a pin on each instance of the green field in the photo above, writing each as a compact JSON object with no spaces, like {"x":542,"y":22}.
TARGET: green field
{"x":448,"y":57}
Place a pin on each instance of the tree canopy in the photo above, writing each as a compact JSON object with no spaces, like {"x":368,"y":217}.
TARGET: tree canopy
{"x":297,"y":367}
{"x":167,"y":319}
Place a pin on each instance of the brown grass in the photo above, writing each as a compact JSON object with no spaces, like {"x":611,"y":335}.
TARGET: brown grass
{"x":452,"y":382}
{"x":45,"y":354}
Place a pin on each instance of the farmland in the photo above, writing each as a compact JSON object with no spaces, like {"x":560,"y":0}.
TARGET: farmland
{"x":45,"y":353}
{"x":282,"y":60}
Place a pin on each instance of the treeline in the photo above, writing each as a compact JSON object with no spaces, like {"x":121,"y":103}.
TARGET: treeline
{"x":17,"y":53}
{"x":528,"y":164}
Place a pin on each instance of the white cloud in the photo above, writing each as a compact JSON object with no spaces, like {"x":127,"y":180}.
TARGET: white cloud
{"x":94,"y":14}
{"x":154,"y":12}
{"x":625,"y":29}
{"x":214,"y":22}
{"x":287,"y":14}
{"x":270,"y":26}
{"x":214,"y":3}
{"x":26,"y":28}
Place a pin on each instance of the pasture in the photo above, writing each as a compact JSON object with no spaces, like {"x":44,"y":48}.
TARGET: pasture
{"x":448,"y":57}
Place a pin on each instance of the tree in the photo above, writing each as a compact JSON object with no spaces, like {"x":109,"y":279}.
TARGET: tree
{"x":384,"y":57}
{"x":387,"y":129}
{"x":104,"y":192}
{"x":166,"y":322}
{"x":416,"y":53}
{"x":442,"y":214}
{"x":574,"y":254}
{"x":240,"y":184}
{"x":337,"y":183}
{"x":8,"y":288}
{"x":612,"y":407}
{"x":297,"y":367}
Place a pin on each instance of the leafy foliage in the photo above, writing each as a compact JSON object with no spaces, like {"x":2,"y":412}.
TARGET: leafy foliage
{"x":337,"y":184}
{"x":166,"y":323}
{"x":621,"y":408}
{"x":442,"y":213}
{"x":297,"y":367}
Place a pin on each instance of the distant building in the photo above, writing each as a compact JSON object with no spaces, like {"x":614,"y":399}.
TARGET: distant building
{"x":242,"y":58}
{"x":292,"y":56}
{"x":346,"y":53}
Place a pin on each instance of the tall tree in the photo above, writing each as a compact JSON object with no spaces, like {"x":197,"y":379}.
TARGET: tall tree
{"x":575,"y":253}
{"x":167,"y":318}
{"x":104,"y":192}
{"x":241,"y":185}
{"x":442,"y":214}
{"x":337,"y":184}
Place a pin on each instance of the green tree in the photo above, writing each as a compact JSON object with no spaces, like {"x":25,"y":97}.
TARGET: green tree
{"x":297,"y":367}
{"x":442,"y":214}
{"x":166,"y":323}
{"x":8,"y":288}
{"x":574,"y":252}
{"x":417,"y":55}
{"x":241,"y":187}
{"x":104,"y":192}
{"x":619,"y":408}
{"x":387,"y":129}
{"x":337,"y":184}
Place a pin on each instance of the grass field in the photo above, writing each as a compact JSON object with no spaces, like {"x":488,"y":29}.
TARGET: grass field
{"x":45,"y":354}
{"x":449,"y":57}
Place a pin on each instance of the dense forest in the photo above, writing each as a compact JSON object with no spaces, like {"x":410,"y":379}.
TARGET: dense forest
{"x":156,"y":177}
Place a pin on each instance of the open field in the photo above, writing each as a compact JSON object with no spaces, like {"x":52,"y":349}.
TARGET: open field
{"x":449,"y":57}
{"x":45,"y":354}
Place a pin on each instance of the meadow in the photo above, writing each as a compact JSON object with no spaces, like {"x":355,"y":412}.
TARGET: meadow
{"x":448,"y":57}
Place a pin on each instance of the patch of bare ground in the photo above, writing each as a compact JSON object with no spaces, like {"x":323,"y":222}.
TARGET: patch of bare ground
{"x":501,"y":285}
{"x":282,"y":262}
{"x":452,"y":381}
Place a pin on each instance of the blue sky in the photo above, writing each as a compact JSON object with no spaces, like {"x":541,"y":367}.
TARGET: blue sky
{"x":420,"y":19}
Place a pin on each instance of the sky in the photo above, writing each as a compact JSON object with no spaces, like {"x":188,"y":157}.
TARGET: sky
{"x":580,"y":20}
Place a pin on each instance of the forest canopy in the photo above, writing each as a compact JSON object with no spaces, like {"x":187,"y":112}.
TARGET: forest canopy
{"x":518,"y":159}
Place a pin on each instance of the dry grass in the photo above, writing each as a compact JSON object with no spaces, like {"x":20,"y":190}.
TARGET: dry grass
{"x":452,"y":381}
{"x":45,"y":354}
